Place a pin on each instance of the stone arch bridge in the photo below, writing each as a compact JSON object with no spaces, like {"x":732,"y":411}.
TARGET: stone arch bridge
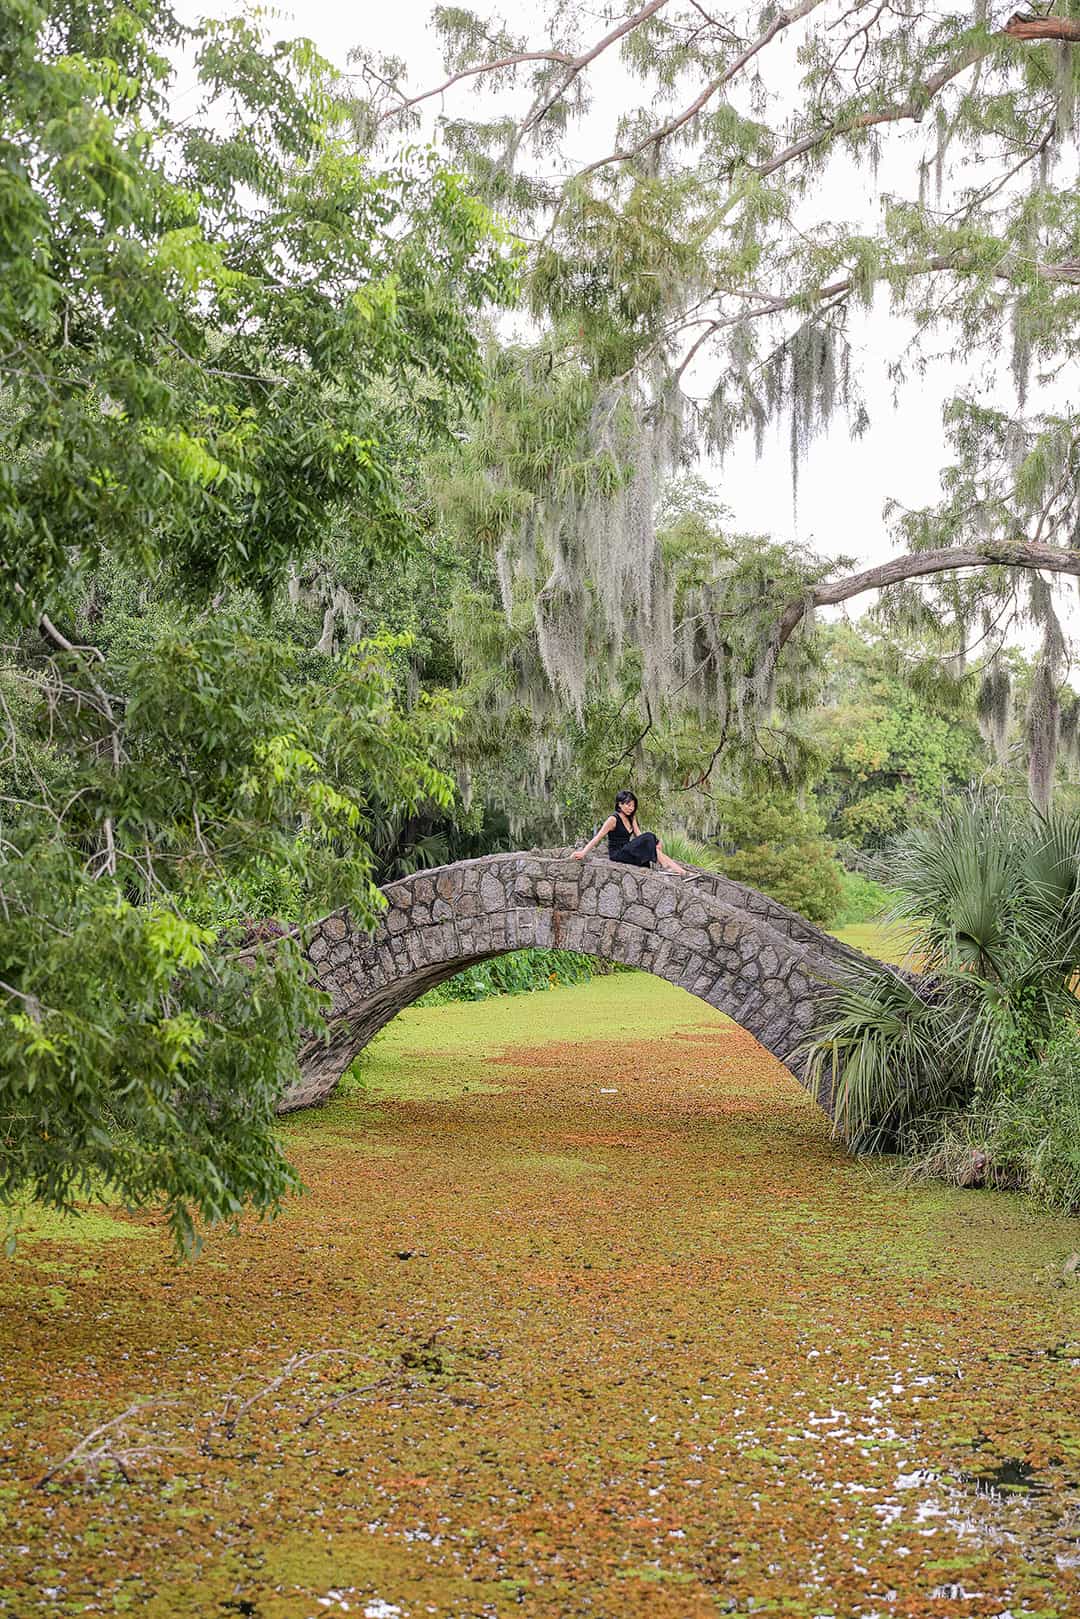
{"x":743,"y":953}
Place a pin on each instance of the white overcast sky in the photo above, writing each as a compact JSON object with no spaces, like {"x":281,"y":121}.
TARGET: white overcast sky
{"x":843,"y":484}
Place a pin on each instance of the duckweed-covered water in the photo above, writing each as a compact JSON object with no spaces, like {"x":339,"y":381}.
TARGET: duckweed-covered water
{"x":584,"y":1314}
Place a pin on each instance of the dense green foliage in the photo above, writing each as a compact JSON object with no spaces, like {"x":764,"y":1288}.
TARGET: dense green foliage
{"x":770,"y":842}
{"x":1025,"y":1137}
{"x":223,"y":337}
{"x":894,"y":747}
{"x":991,"y":896}
{"x":862,"y":899}
{"x":778,"y":847}
{"x":520,"y":973}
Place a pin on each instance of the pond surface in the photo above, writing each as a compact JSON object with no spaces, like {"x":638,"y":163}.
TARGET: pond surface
{"x":584,"y":1314}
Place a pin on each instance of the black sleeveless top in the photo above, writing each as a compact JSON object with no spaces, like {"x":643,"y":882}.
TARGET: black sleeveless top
{"x":618,"y":837}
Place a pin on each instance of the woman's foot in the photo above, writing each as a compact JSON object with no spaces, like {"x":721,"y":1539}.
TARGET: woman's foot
{"x":667,"y":864}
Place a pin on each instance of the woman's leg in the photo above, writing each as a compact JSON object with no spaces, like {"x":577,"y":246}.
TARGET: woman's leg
{"x":645,"y":850}
{"x":666,"y":862}
{"x":640,"y":851}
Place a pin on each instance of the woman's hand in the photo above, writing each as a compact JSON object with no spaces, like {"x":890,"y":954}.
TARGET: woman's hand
{"x":578,"y":854}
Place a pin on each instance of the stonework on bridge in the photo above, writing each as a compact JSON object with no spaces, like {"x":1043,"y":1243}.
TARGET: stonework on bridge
{"x":763,"y":965}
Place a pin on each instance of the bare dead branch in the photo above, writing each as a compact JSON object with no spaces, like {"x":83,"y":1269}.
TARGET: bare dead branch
{"x":343,"y":1395}
{"x":229,"y":1417}
{"x":702,"y":778}
{"x":31,"y":1002}
{"x":627,"y":752}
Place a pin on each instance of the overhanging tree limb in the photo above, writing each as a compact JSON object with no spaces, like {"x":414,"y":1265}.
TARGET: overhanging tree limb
{"x":580,"y":63}
{"x":574,"y":66}
{"x":778,"y":25}
{"x":1067,"y":271}
{"x":921,"y":564}
{"x":1020,"y":27}
{"x":913,"y":108}
{"x":514,"y":60}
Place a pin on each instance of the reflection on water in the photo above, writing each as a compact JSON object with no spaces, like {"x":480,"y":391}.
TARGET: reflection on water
{"x":1002,"y":1502}
{"x":1011,"y":1477}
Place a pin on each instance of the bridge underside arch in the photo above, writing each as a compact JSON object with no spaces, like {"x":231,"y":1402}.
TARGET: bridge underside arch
{"x":764,"y":966}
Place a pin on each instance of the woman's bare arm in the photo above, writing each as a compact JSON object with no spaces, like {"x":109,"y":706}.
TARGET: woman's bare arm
{"x":579,"y":854}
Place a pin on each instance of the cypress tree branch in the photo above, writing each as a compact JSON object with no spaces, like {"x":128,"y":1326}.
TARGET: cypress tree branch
{"x":1020,"y":26}
{"x":408,"y":102}
{"x":1066,"y":271}
{"x":914,"y":108}
{"x":777,"y":26}
{"x":573,"y":64}
{"x":919,"y":565}
{"x":580,"y":63}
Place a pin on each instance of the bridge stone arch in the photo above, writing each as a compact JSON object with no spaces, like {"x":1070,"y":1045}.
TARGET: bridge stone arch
{"x":734,"y":948}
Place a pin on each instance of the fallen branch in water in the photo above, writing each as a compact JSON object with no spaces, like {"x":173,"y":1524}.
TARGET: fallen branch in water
{"x":228,"y":1419}
{"x":346,"y":1394}
{"x":122,"y":1457}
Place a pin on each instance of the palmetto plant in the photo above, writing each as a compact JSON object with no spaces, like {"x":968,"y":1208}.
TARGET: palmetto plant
{"x":990,"y":895}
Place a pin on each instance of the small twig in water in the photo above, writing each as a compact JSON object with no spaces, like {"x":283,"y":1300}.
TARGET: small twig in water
{"x":345,"y":1394}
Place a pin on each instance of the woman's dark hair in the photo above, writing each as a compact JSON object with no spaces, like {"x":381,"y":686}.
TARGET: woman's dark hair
{"x":625,"y":797}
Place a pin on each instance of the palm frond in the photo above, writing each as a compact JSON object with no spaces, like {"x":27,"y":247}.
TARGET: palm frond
{"x":991,"y":895}
{"x":879,"y":1056}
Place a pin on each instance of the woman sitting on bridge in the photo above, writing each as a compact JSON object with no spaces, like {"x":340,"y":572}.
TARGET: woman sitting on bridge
{"x":627,"y":842}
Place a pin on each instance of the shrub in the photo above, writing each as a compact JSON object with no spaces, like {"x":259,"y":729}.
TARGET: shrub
{"x":974,"y":1062}
{"x":1037,"y":1127}
{"x":688,"y":852}
{"x":518,"y":973}
{"x":1026,"y":1138}
{"x":776,"y":846}
{"x":770,"y":843}
{"x":861,"y":899}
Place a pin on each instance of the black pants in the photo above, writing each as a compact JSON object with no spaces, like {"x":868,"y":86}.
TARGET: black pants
{"x":640,"y":851}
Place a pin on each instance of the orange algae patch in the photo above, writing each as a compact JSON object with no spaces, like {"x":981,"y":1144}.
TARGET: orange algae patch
{"x":619,"y":1332}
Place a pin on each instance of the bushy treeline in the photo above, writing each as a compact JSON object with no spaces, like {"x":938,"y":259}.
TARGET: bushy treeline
{"x":522,"y":972}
